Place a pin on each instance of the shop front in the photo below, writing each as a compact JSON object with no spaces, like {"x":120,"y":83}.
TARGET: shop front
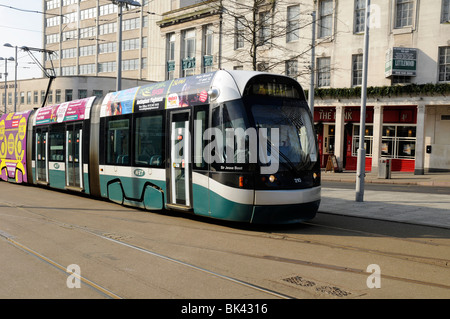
{"x":396,"y":140}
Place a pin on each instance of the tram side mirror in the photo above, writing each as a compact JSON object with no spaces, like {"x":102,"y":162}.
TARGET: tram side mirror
{"x":428,"y":149}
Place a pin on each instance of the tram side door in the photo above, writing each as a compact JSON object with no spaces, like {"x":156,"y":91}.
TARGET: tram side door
{"x":74,"y":156}
{"x":179,"y":166}
{"x":41,"y":155}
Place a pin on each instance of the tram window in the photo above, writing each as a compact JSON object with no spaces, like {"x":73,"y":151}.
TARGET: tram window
{"x":231,"y":117}
{"x":57,"y":140}
{"x":118,"y":142}
{"x":200,"y":125}
{"x":149,"y":141}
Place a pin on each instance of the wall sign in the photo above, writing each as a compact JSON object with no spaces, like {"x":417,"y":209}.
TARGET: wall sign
{"x":401,"y":61}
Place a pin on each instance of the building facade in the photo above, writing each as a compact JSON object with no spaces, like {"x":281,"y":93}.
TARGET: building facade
{"x":408,"y":106}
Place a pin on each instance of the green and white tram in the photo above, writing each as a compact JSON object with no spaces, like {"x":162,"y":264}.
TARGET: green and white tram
{"x":232,"y":145}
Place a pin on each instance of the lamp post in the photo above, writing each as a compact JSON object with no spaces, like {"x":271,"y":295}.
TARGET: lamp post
{"x":6,"y":76}
{"x":120,"y":4}
{"x":15,"y":75}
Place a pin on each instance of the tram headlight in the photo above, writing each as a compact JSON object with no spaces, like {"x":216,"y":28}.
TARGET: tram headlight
{"x":214,"y":93}
{"x":272,"y":178}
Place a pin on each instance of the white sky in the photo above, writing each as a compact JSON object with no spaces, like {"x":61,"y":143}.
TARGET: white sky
{"x":20,"y":29}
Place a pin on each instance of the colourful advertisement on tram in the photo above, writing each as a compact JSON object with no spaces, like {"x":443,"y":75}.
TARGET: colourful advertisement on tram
{"x":13,"y":146}
{"x":65,"y":112}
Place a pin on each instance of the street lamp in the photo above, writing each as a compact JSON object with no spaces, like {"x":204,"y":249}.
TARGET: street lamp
{"x":120,"y":4}
{"x":6,"y":75}
{"x":15,"y":75}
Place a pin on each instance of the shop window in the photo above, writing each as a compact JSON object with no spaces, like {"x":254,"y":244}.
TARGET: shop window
{"x":398,"y":141}
{"x":368,"y":140}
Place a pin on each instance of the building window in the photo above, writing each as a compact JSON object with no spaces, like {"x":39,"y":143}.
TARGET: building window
{"x":89,"y":32}
{"x":325,"y":18}
{"x":404,"y":13}
{"x":323,"y":72}
{"x":49,"y":97}
{"x":88,"y":13}
{"x":107,"y":67}
{"x":107,"y":47}
{"x":360,"y":15}
{"x":293,"y":23}
{"x":107,"y":28}
{"x":130,"y":44}
{"x":52,"y":4}
{"x":70,"y":35}
{"x":10,"y":98}
{"x":35,"y":97}
{"x":445,"y":16}
{"x":98,"y":93}
{"x":51,"y":22}
{"x":52,"y":38}
{"x":188,"y":62}
{"x":131,"y":24}
{"x":28,"y":98}
{"x":132,"y":64}
{"x":22,"y":97}
{"x":170,"y":58}
{"x":108,"y":9}
{"x":87,"y":50}
{"x":68,"y":53}
{"x":208,"y":48}
{"x":262,"y":67}
{"x":264,"y":27}
{"x":400,"y":79}
{"x":239,"y":30}
{"x":87,"y":68}
{"x":57,"y":96}
{"x":444,"y":64}
{"x":398,"y":141}
{"x":357,"y":66}
{"x":69,"y":95}
{"x":82,"y":94}
{"x":292,"y":68}
{"x":68,"y":70}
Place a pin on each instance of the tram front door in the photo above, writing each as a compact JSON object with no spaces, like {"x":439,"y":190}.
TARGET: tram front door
{"x":41,"y":155}
{"x":179,"y":166}
{"x":74,"y":155}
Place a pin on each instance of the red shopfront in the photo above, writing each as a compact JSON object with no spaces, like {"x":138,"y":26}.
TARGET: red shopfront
{"x":398,"y":135}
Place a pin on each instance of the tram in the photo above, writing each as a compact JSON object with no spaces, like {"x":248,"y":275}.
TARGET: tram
{"x":231,"y":145}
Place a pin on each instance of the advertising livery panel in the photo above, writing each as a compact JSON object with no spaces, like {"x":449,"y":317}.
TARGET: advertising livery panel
{"x":182,"y":92}
{"x":77,"y":110}
{"x":13,"y":145}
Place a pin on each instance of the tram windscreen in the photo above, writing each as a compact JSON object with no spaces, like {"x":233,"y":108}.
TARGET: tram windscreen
{"x":295,"y":140}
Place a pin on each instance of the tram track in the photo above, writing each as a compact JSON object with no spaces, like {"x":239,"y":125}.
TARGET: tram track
{"x":440,"y":262}
{"x":116,"y":239}
{"x":122,"y":240}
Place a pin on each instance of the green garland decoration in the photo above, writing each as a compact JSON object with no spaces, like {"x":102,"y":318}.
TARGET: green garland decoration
{"x":429,"y":89}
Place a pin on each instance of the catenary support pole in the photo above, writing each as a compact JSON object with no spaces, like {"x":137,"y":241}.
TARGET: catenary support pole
{"x":361,"y":166}
{"x":313,"y":57}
